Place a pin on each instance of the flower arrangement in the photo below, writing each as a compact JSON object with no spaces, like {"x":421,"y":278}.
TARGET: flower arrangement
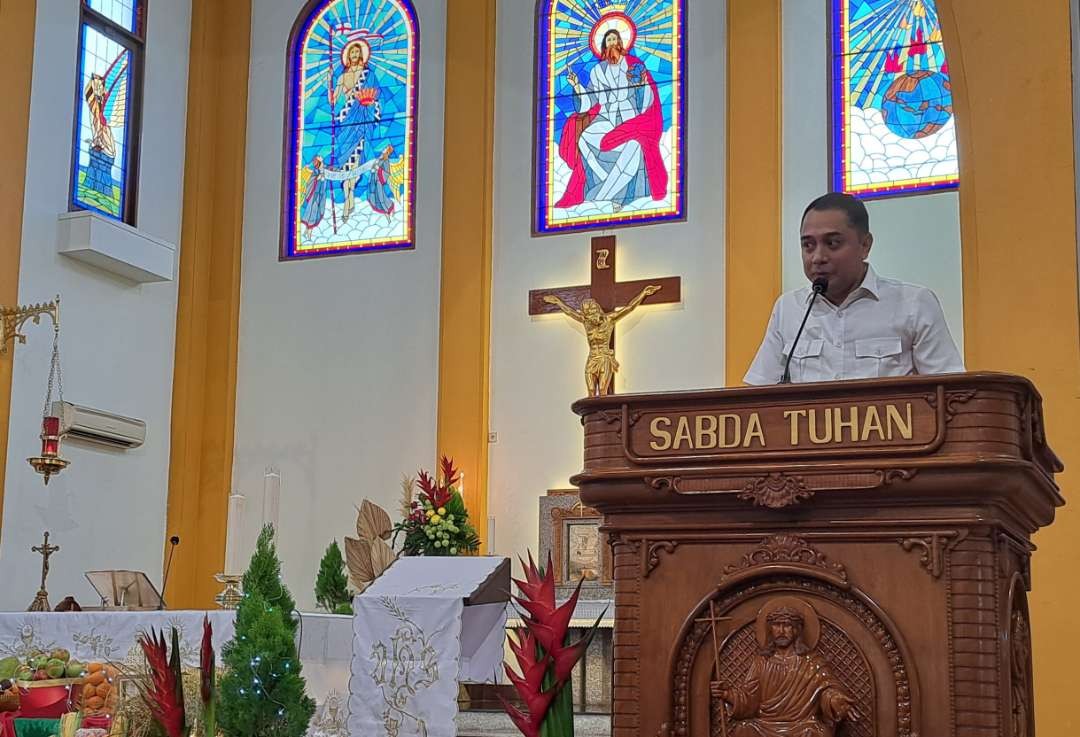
{"x":545,"y":656}
{"x":437,"y":522}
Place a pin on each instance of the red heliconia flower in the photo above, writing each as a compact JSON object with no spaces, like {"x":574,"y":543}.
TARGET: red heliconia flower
{"x":438,"y":495}
{"x":449,"y":473}
{"x":540,"y":649}
{"x":164,"y":696}
{"x":206,"y":662}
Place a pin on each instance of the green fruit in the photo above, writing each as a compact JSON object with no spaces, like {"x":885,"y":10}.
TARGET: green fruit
{"x":56,"y":668}
{"x":75,"y":669}
{"x":24,"y":673}
{"x":60,"y":654}
{"x":40,"y":675}
{"x":39,"y":662}
{"x":8,"y":666}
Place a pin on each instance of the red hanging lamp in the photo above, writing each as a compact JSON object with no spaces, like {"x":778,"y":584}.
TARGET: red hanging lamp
{"x":49,"y":463}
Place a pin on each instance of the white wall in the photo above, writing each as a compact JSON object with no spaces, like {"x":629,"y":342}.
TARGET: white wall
{"x":537,"y":363}
{"x":108,"y":509}
{"x":917,"y":239}
{"x":338,"y":364}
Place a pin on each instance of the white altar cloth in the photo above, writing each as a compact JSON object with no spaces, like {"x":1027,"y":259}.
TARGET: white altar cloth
{"x":325,"y":639}
{"x":414,"y":640}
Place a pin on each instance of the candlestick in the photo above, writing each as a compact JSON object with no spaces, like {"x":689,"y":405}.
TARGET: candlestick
{"x":271,"y":496}
{"x":233,"y":546}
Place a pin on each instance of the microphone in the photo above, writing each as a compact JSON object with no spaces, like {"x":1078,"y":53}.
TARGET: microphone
{"x":819,"y":287}
{"x":173,"y":542}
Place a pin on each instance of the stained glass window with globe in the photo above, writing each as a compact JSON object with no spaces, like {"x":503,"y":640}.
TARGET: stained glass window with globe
{"x":893,"y":130}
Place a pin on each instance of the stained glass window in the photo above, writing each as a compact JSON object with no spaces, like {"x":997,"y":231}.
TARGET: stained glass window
{"x":610,"y":104}
{"x":350,"y":178}
{"x":893,"y":125}
{"x":111,"y":46}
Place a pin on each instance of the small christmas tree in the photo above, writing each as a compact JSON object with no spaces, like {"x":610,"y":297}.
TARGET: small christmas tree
{"x":263,"y":576}
{"x":262,"y":693}
{"x":331,"y":585}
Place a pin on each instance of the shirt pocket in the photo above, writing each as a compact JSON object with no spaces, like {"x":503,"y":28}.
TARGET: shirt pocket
{"x":806,"y":361}
{"x":880,"y":357}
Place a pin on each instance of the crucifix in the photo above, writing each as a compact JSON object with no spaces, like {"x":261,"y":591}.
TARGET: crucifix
{"x":601,"y":303}
{"x":41,"y":600}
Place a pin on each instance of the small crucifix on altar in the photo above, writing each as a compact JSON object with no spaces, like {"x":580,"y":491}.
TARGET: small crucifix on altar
{"x":599,"y":305}
{"x":41,"y":600}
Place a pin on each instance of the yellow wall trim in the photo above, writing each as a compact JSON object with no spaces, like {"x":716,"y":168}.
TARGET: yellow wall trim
{"x":208,"y":309}
{"x":1018,"y":232}
{"x":17,"y":61}
{"x":753,"y":183}
{"x":465,"y":306}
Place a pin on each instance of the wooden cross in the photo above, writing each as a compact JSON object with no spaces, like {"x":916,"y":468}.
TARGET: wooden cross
{"x":604,"y":287}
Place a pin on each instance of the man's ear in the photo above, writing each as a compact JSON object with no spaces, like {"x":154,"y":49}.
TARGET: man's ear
{"x":867,"y":243}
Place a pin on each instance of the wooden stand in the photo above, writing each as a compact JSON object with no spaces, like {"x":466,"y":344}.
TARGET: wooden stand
{"x":888,"y":520}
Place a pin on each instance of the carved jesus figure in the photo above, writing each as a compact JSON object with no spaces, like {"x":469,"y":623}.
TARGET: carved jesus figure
{"x":600,"y":366}
{"x":789,"y":690}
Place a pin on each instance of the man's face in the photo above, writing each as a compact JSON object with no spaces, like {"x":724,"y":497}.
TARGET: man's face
{"x":834,"y":249}
{"x":354,"y":55}
{"x":784,"y":632}
{"x":590,"y":310}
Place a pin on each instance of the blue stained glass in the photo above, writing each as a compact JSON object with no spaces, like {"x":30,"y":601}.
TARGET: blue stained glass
{"x":350,"y":176}
{"x":893,"y":125}
{"x":121,"y":12}
{"x":610,"y":113}
{"x":102,"y":145}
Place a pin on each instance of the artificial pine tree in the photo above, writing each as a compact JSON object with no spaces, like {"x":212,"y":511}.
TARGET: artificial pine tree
{"x":331,"y":585}
{"x":263,"y":576}
{"x":262,"y":693}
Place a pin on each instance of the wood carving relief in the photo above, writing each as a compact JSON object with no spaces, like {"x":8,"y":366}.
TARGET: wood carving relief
{"x":776,"y":491}
{"x":1022,"y":720}
{"x":785,"y":549}
{"x":933,"y":548}
{"x":952,"y":399}
{"x":827,"y":685}
{"x":650,"y":558}
{"x":791,"y":672}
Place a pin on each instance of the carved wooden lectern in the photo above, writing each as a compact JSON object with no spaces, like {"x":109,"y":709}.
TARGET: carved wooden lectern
{"x":848,"y":558}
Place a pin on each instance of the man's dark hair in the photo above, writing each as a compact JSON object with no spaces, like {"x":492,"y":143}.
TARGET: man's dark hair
{"x":849,"y":205}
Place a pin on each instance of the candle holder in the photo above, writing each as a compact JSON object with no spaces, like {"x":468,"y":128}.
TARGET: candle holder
{"x":49,"y":463}
{"x":231,"y":596}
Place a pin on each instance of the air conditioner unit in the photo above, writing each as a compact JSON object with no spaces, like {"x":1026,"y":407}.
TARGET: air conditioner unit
{"x":96,"y":426}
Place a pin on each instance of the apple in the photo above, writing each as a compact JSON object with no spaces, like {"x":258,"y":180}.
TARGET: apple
{"x":75,"y":669}
{"x":40,"y":675}
{"x":56,"y":668}
{"x":24,"y":673}
{"x":60,"y":654}
{"x":39,"y":662}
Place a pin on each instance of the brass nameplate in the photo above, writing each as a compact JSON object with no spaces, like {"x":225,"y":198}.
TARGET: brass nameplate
{"x":813,"y":427}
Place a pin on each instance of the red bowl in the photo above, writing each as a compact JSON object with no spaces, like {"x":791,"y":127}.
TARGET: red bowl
{"x":50,"y":702}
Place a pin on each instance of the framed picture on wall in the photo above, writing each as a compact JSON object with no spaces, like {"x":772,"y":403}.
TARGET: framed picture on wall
{"x":579,"y":550}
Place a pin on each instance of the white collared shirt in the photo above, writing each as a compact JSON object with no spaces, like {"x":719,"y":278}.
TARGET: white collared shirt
{"x":884,"y":328}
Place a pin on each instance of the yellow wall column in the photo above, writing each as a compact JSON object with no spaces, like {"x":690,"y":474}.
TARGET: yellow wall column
{"x":465,"y":312}
{"x":208,"y":310}
{"x":17,"y":61}
{"x":753,"y":184}
{"x":1011,"y":72}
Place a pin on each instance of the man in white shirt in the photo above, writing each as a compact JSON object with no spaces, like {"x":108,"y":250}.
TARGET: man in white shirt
{"x":863,"y":325}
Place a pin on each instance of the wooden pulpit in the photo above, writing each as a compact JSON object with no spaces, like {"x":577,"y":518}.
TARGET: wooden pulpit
{"x":847,"y":558}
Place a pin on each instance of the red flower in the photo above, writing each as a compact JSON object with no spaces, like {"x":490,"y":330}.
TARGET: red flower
{"x":543,"y":654}
{"x":164,"y":697}
{"x":206,"y":662}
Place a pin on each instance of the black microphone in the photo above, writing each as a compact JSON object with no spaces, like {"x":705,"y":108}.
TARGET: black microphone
{"x":173,"y":542}
{"x":820,"y":285}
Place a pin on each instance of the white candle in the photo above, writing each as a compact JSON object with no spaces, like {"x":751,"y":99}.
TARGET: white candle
{"x":271,"y":497}
{"x":233,"y":546}
{"x":491,"y":536}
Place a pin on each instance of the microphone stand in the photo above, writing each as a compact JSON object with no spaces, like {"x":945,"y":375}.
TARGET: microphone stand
{"x":819,"y":287}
